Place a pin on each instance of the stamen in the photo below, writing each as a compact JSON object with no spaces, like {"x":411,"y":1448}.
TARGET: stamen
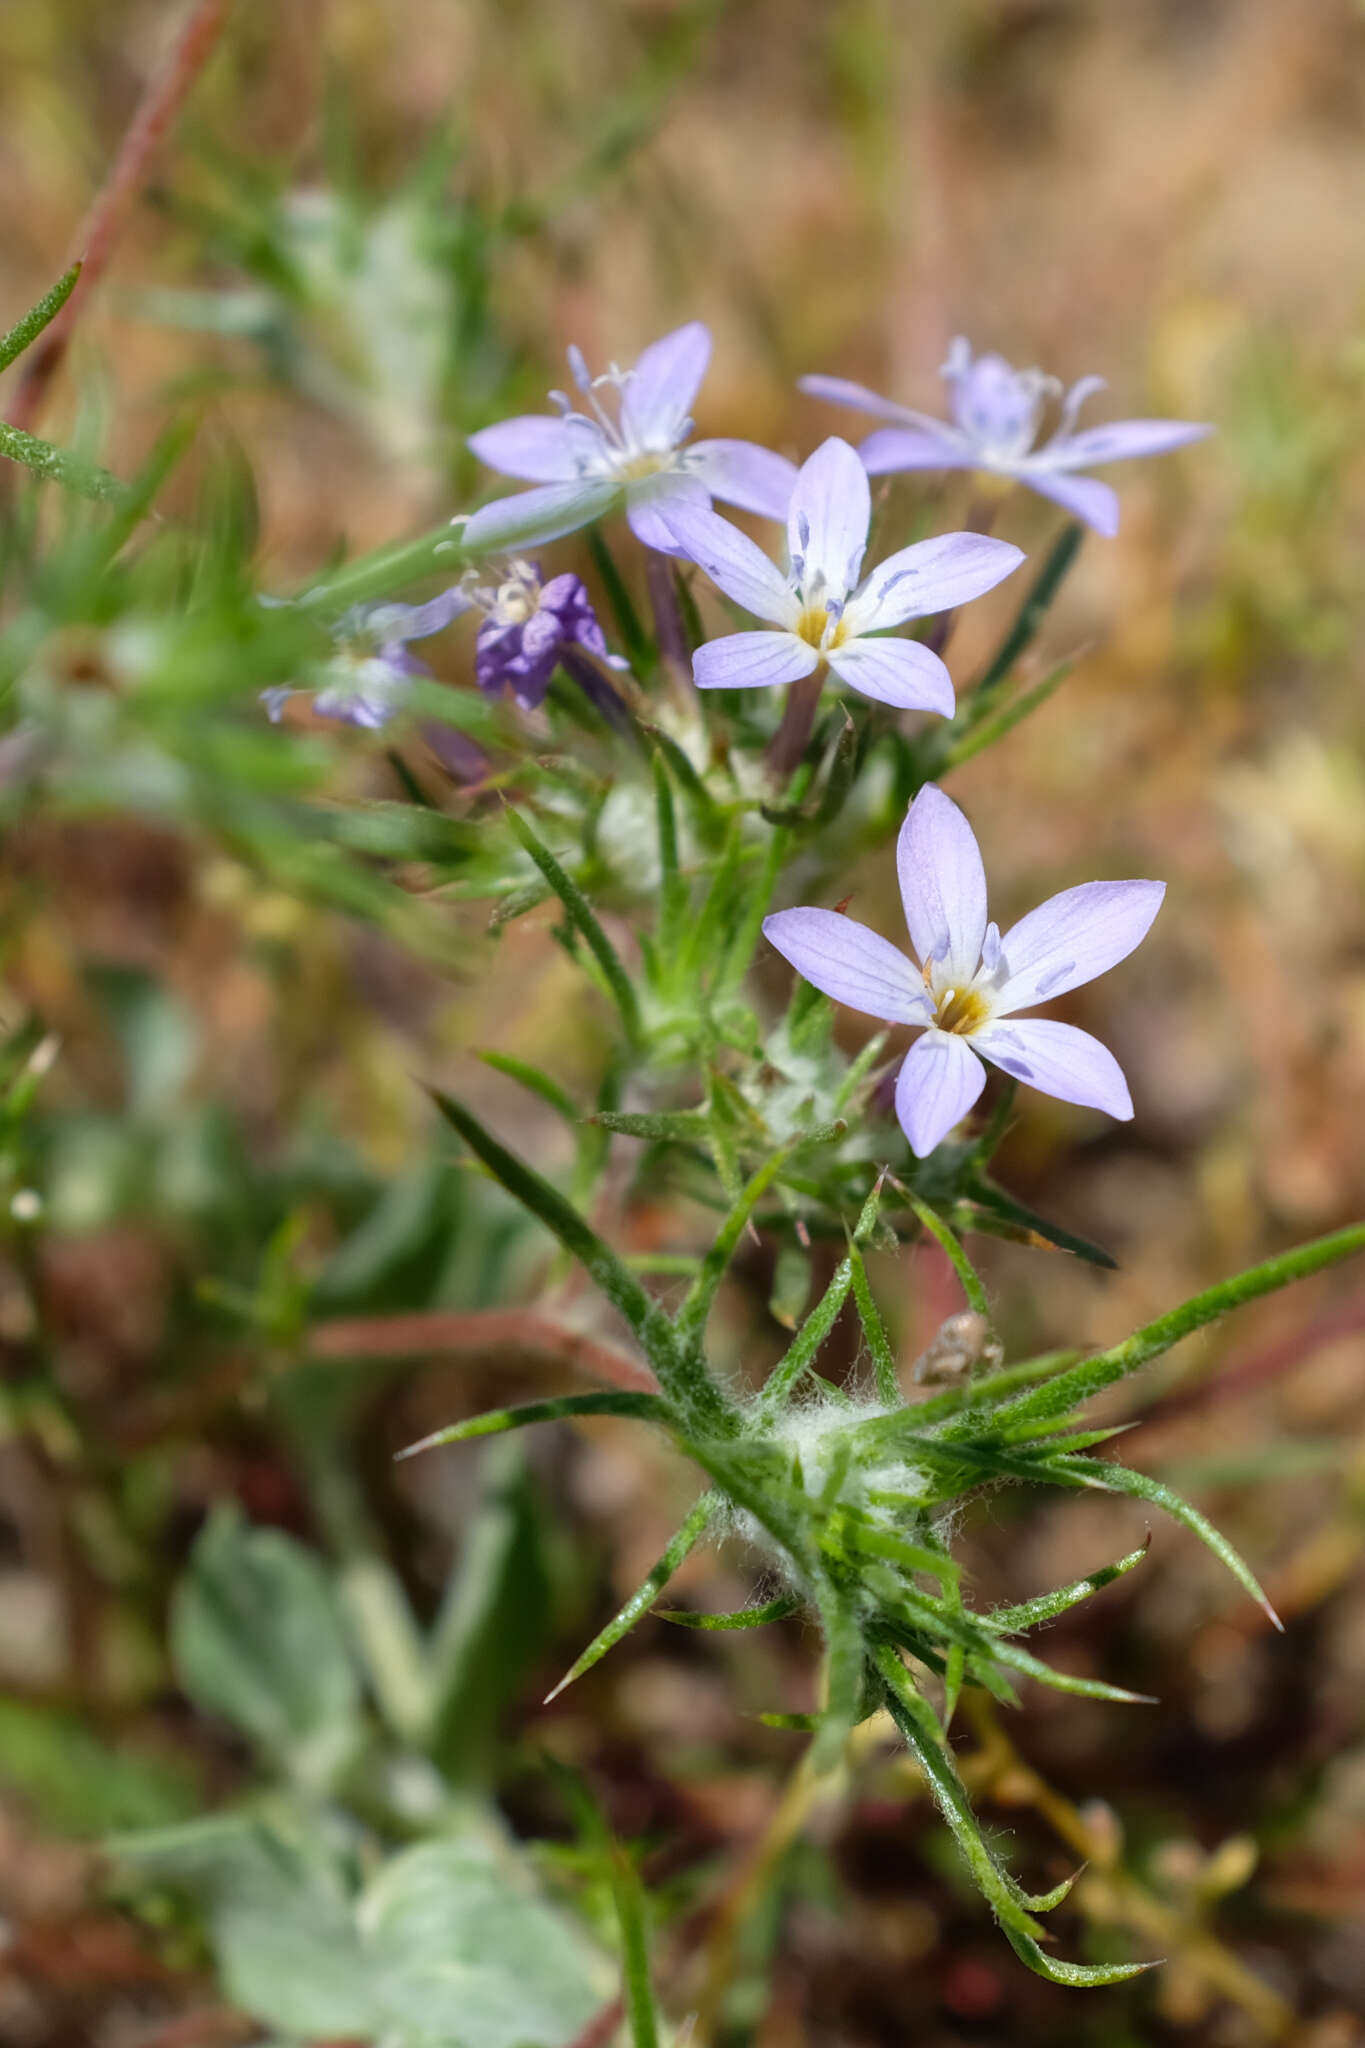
{"x":990,"y":948}
{"x":803,"y":529}
{"x":578,"y":368}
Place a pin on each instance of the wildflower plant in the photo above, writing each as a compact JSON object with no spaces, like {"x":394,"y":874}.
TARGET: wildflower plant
{"x":644,"y":796}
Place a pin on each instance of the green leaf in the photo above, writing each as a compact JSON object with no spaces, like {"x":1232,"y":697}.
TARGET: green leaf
{"x":743,"y":1617}
{"x":637,"y":644}
{"x":874,"y":1329}
{"x":537,"y":1083}
{"x":26,"y":331}
{"x":584,"y":922}
{"x":643,"y":1598}
{"x":257,"y":1640}
{"x":1088,"y":1378}
{"x":1047,"y":1606}
{"x":1029,"y":617}
{"x":1110,"y":1478}
{"x":462,"y":1949}
{"x":57,"y":465}
{"x":691,"y":1317}
{"x":578,"y":1238}
{"x":1002,"y":1215}
{"x":914,"y":1717}
{"x":986,"y":732}
{"x":452,"y":1945}
{"x":968,"y":1277}
{"x":640,"y":1407}
{"x":676,"y":1126}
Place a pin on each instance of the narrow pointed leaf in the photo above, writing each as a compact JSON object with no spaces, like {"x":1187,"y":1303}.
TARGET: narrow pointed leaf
{"x":1047,"y":1606}
{"x":644,"y":1596}
{"x":28,"y":329}
{"x":57,"y":465}
{"x":1093,"y":1374}
{"x":641,"y":1407}
{"x":743,"y":1617}
{"x":577,"y":1236}
{"x":874,"y":1329}
{"x":968,"y":1277}
{"x":581,"y":916}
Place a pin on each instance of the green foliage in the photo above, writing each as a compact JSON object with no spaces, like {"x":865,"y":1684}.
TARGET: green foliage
{"x":258,"y":1643}
{"x":448,"y":1945}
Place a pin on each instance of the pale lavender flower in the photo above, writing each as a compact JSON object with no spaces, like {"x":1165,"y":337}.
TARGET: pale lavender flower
{"x":368,"y":675}
{"x":996,"y":413}
{"x":972,"y":981}
{"x":823,"y":609}
{"x":527,"y":627}
{"x":626,"y":449}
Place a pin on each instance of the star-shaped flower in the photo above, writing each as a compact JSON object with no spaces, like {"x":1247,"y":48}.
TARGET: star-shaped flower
{"x":996,"y":413}
{"x":628,"y":449}
{"x":823,"y":609}
{"x":972,"y":982}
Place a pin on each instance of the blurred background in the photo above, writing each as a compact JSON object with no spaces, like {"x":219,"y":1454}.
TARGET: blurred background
{"x":372,"y":230}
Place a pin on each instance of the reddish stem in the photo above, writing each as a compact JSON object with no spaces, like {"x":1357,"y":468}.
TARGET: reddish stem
{"x":162,"y":99}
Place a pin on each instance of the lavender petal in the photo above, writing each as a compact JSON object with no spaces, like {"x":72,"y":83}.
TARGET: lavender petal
{"x":744,"y":474}
{"x":657,"y":396}
{"x":650,"y":502}
{"x":1060,"y":1060}
{"x":939,"y":1081}
{"x":943,"y":884}
{"x":1120,"y":440}
{"x":1073,"y":937}
{"x":827,"y":519}
{"x":931,"y":576}
{"x":1085,"y":497}
{"x":900,"y":672}
{"x":845,"y":960}
{"x":752,"y":661}
{"x":535,"y":447}
{"x":733,"y":563}
{"x":539,"y":515}
{"x":895,"y":448}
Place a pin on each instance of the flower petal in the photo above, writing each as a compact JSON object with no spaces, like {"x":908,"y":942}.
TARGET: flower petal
{"x":539,"y":515}
{"x":842,"y":391}
{"x":828,"y":517}
{"x":650,"y":500}
{"x":850,"y":963}
{"x":751,"y":661}
{"x":1083,"y":496}
{"x":1060,"y":1059}
{"x":743,"y":474}
{"x":943,"y":884}
{"x":657,"y":395}
{"x":1121,"y":439}
{"x":900,"y":672}
{"x":403,"y":622}
{"x":732,"y":561}
{"x":1073,"y":937}
{"x":536,"y":447}
{"x":931,"y":576}
{"x":937,"y":1085}
{"x":894,"y":448}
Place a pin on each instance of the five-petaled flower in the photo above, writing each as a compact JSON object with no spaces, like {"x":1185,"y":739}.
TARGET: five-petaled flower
{"x":368,"y":675}
{"x":971,"y":981}
{"x":996,"y":413}
{"x":628,"y":448}
{"x":823,"y":610}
